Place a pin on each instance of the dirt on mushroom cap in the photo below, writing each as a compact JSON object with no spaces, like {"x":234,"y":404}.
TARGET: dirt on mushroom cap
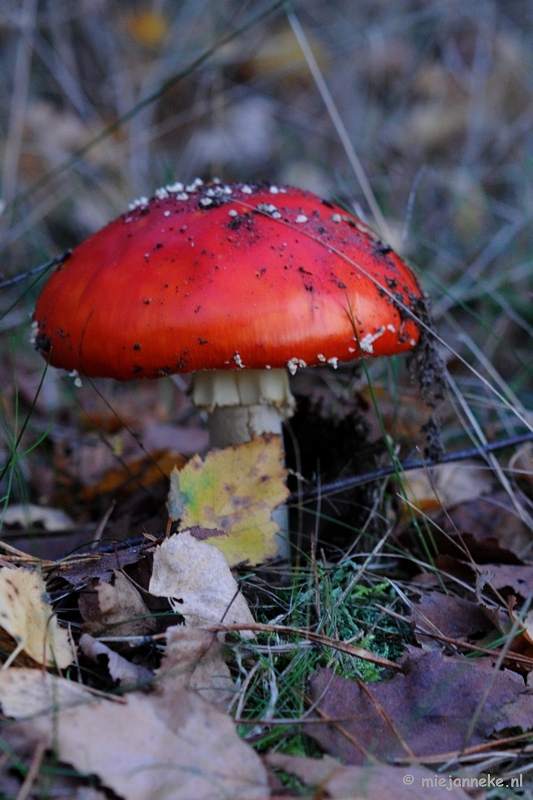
{"x":226,"y":277}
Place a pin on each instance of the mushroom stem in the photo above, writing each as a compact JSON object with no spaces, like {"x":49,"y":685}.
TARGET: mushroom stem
{"x":242,"y":405}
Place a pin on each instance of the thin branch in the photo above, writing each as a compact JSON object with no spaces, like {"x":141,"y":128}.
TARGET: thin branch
{"x":36,"y":270}
{"x":359,"y":480}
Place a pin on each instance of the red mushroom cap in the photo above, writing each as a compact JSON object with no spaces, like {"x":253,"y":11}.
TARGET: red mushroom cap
{"x":226,"y":277}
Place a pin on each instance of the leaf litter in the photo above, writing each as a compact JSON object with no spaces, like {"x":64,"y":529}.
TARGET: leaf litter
{"x":425,"y":710}
{"x":169,"y":744}
{"x":183,"y":697}
{"x":174,"y":742}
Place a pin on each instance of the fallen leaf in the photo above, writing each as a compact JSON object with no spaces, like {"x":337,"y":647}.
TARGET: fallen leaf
{"x":444,"y":486}
{"x":516,"y":578}
{"x":196,"y":578}
{"x":488,"y":528}
{"x":368,"y":782}
{"x":193,"y":660}
{"x":143,"y":471}
{"x":115,"y":608}
{"x":235,"y":489}
{"x":167,"y":745}
{"x":26,"y":615}
{"x":120,"y":669}
{"x":28,"y":515}
{"x":453,"y":617}
{"x":430,"y":708}
{"x":100,"y":565}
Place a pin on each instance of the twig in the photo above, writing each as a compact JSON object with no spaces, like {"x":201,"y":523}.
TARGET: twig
{"x":405,"y":466}
{"x":36,"y":270}
{"x":318,"y":638}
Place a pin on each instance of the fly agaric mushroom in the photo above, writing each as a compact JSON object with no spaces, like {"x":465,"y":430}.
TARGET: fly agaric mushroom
{"x":237,"y":283}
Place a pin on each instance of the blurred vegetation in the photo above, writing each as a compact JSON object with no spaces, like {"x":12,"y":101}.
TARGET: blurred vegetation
{"x":103,"y":101}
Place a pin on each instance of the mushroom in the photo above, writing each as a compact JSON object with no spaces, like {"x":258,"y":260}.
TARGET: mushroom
{"x":237,"y":283}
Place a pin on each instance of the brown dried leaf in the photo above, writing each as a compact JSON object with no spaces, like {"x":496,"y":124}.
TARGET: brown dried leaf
{"x":116,"y":608}
{"x":445,"y":485}
{"x":430,"y":705}
{"x":193,"y":660}
{"x":171,"y":745}
{"x":514,"y":577}
{"x":368,"y":782}
{"x":196,"y":578}
{"x":143,"y":471}
{"x":120,"y":669}
{"x":102,"y":565}
{"x":489,"y":528}
{"x":452,"y":617}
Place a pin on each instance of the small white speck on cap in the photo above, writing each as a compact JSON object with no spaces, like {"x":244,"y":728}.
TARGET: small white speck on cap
{"x":227,"y":189}
{"x":334,"y":362}
{"x":336,"y":218}
{"x":351,"y":349}
{"x":412,"y":342}
{"x":77,"y":380}
{"x":216,"y":180}
{"x":34,"y":331}
{"x":166,"y":213}
{"x":161,"y":193}
{"x":294,"y":363}
{"x":193,"y":187}
{"x":238,"y":360}
{"x":391,"y":328}
{"x":321,"y":357}
{"x":276,"y":215}
{"x":206,"y":201}
{"x":301,"y":218}
{"x":210,"y":192}
{"x":274,"y":190}
{"x":141,"y":202}
{"x":367,"y":342}
{"x":267,"y":366}
{"x":246,"y":189}
{"x":233,"y":212}
{"x":174,"y":187}
{"x":182,"y":196}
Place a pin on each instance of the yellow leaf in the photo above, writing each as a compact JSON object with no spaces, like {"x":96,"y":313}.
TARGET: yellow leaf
{"x":235,"y":489}
{"x":27,"y":616}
